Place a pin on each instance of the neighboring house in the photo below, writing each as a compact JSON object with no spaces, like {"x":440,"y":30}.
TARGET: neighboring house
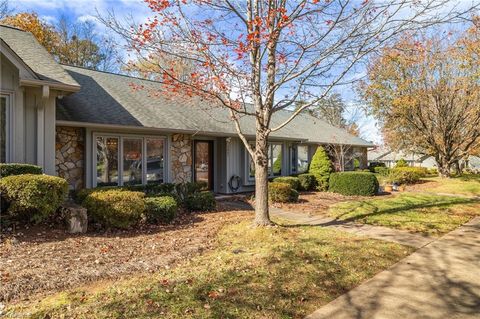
{"x":96,"y":128}
{"x":390,"y":158}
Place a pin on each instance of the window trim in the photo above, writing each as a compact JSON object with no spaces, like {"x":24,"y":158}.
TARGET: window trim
{"x":9,"y":95}
{"x":121,"y":137}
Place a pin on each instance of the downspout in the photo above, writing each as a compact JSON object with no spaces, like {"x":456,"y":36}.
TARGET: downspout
{"x":41,"y":126}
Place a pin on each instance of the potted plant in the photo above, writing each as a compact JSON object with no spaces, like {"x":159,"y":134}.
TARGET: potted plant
{"x":390,"y":182}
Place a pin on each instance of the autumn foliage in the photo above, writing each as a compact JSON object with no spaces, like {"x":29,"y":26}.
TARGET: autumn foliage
{"x":426,"y":93}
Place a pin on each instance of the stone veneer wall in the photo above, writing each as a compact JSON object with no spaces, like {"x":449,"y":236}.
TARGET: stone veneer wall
{"x":70,"y":155}
{"x":181,"y":158}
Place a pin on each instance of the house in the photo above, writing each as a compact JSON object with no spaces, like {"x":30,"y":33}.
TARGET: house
{"x":390,"y":158}
{"x":96,"y":128}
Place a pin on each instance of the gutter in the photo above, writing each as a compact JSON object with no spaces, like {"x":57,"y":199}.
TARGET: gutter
{"x":53,"y":85}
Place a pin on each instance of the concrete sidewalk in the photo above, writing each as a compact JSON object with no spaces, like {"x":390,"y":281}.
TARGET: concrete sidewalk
{"x":440,"y":280}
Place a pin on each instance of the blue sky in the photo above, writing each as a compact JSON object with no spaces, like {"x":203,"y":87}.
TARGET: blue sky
{"x":136,"y":10}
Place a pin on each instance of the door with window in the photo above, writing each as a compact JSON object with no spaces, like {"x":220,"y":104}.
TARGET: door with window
{"x":203,"y":162}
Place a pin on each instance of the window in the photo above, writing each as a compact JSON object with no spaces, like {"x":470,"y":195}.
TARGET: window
{"x":132,"y":161}
{"x":299,"y":159}
{"x":155,"y":161}
{"x":302,"y":160}
{"x":3,"y":128}
{"x":274,"y":161}
{"x":107,"y":161}
{"x":129,"y":160}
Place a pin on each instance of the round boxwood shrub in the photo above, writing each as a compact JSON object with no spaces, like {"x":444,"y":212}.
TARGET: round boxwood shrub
{"x":115,"y":208}
{"x":19,"y":169}
{"x":308,"y":182}
{"x":294,"y":182}
{"x":33,"y":196}
{"x":354,"y":183}
{"x":161,"y":209}
{"x":282,"y":193}
{"x":200,"y":202}
{"x":321,"y":168}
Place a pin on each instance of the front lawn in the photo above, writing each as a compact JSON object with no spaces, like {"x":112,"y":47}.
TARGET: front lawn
{"x":424,"y":213}
{"x":465,"y":185}
{"x":252,"y":273}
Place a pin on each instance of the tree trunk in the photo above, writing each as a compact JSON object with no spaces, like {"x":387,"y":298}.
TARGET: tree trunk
{"x":262,"y":217}
{"x":444,"y":169}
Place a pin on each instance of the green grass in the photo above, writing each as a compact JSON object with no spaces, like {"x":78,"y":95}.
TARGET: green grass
{"x":276,"y":272}
{"x":464,"y":185}
{"x":423,"y":213}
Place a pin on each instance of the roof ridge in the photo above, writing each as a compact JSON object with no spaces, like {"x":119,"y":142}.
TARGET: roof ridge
{"x":110,"y":73}
{"x":12,"y":27}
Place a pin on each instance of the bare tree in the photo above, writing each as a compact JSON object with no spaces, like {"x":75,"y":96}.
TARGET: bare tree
{"x":270,"y":53}
{"x":5,"y":9}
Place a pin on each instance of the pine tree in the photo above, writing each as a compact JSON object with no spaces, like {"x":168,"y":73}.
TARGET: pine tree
{"x":321,"y":168}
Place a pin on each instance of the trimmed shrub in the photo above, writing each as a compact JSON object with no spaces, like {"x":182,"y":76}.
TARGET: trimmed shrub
{"x":321,"y":168}
{"x":373,"y":165}
{"x":354,"y":183}
{"x":19,"y":169}
{"x":201,"y":202}
{"x":308,"y":182}
{"x":115,"y":208}
{"x":433,"y":171}
{"x":162,"y":209}
{"x":401,"y":163}
{"x":184,"y":190}
{"x":381,"y":170}
{"x":33,"y":196}
{"x":282,"y":193}
{"x":421,"y":171}
{"x":294,"y":182}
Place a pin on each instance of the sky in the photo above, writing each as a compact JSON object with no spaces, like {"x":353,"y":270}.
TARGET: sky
{"x":137,"y":10}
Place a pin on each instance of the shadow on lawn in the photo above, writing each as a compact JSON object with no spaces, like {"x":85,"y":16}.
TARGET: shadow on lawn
{"x":402,"y":205}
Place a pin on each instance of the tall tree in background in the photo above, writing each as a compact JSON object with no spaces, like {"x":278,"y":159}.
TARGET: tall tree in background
{"x":426,"y":94}
{"x":269,"y":54}
{"x":5,"y":9}
{"x":70,"y":43}
{"x":30,"y":22}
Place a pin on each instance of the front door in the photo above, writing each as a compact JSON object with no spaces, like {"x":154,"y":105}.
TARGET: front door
{"x":203,"y":162}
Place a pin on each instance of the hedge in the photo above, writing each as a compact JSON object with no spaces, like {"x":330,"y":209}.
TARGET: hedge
{"x":353,"y":183}
{"x":308,"y":182}
{"x":321,"y":168}
{"x":282,"y":193}
{"x":33,"y":196}
{"x":201,"y":201}
{"x":115,"y":208}
{"x":19,"y":169}
{"x":294,"y":182}
{"x":162,"y":209}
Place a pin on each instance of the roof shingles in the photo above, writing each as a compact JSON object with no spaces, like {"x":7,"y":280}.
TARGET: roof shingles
{"x":107,"y":98}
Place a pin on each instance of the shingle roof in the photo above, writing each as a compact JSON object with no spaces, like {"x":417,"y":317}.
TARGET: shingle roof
{"x":34,"y":55}
{"x":106,"y":98}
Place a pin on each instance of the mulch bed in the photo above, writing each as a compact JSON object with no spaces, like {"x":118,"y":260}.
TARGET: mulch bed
{"x":317,"y":203}
{"x":43,"y":259}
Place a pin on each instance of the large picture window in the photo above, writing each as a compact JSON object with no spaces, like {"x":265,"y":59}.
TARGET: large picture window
{"x":129,"y":160}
